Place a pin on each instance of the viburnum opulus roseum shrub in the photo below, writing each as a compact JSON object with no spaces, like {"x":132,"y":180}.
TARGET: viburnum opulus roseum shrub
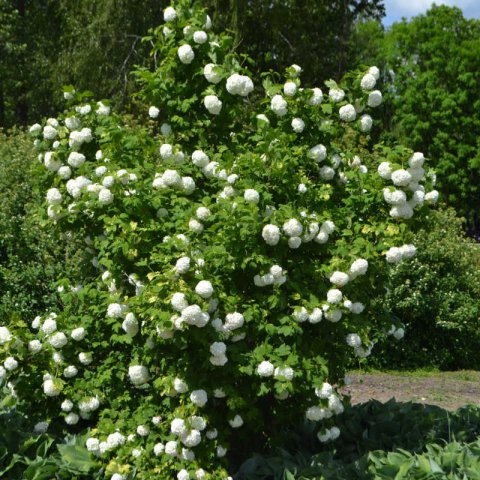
{"x":235,"y":241}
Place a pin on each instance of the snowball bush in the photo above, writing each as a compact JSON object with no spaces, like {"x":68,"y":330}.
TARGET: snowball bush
{"x":219,"y":300}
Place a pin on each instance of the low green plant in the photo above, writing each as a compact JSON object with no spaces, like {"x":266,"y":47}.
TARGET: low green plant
{"x":437,"y":297}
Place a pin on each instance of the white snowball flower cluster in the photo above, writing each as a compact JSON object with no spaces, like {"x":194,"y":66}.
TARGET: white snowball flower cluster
{"x":290,"y":89}
{"x":347,"y":113}
{"x":239,"y":85}
{"x":171,"y":179}
{"x":358,"y":267}
{"x":130,"y":324}
{"x":329,"y":434}
{"x":316,"y":98}
{"x":336,"y":94}
{"x":78,"y":138}
{"x":265,"y":369}
{"x":318,"y":153}
{"x":368,"y":82}
{"x":5,"y":335}
{"x":169,"y":14}
{"x":213,"y":104}
{"x":210,"y":73}
{"x":279,"y":105}
{"x":199,"y":398}
{"x":153,"y":112}
{"x":274,"y":277}
{"x":251,"y":196}
{"x":218,"y":351}
{"x":204,"y":288}
{"x":138,"y":375}
{"x":186,"y":54}
{"x":397,"y":254}
{"x":271,"y":234}
{"x":375,"y":99}
{"x":298,"y":125}
{"x":200,"y":37}
{"x":52,"y":387}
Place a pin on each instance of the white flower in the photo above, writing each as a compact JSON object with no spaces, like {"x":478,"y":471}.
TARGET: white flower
{"x":399,"y":333}
{"x":179,"y":301}
{"x":52,"y":387}
{"x":347,"y":113}
{"x":165,"y":129}
{"x":336,"y":94}
{"x":210,"y":74}
{"x":385,"y":170}
{"x":10,"y":364}
{"x":221,"y":452}
{"x":397,"y":197}
{"x":327,"y":173}
{"x":375,"y":98}
{"x":182,"y":266}
{"x":72,"y":419}
{"x":334,"y":296}
{"x":284,"y":373}
{"x":204,"y":288}
{"x":183,"y":475}
{"x":431,"y":197}
{"x":130,"y":324}
{"x":316,"y":98}
{"x":180,"y":386}
{"x":375,"y":72}
{"x":366,"y":123}
{"x":294,"y":242}
{"x":199,"y":397}
{"x":171,"y":448}
{"x":195,"y":226}
{"x":271,"y":234}
{"x":234,"y":320}
{"x":239,"y":85}
{"x":49,"y":132}
{"x":318,"y":152}
{"x":58,"y":340}
{"x":200,"y":474}
{"x":333,"y":315}
{"x":102,"y":109}
{"x":236,"y":422}
{"x":153,"y":112}
{"x":416,"y":160}
{"x":158,"y":449}
{"x":325,"y":391}
{"x":192,"y":439}
{"x":212,"y":104}
{"x":203,"y":213}
{"x":105,"y":196}
{"x":315,"y":414}
{"x":340,"y":279}
{"x":353,"y":340}
{"x":368,"y":82}
{"x":35,"y":128}
{"x":394,"y":255}
{"x":78,"y":334}
{"x":178,"y":427}
{"x":402,"y":211}
{"x":54,"y":197}
{"x":358,"y":267}
{"x":186,"y":54}
{"x":66,"y":405}
{"x":40,"y":427}
{"x":298,"y":125}
{"x":49,"y":326}
{"x":251,"y":195}
{"x":290,"y":89}
{"x":85,"y":358}
{"x":408,"y":251}
{"x":265,"y":369}
{"x":279,"y":105}
{"x":166,"y":151}
{"x":200,"y":37}
{"x":34,"y":346}
{"x":169,"y":14}
{"x":401,"y":178}
{"x":293,"y":228}
{"x":315,"y":316}
{"x":138,"y":374}
{"x":115,"y":310}
{"x":5,"y":335}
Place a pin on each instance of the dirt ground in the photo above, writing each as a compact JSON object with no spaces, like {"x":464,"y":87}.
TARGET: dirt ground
{"x":449,"y":390}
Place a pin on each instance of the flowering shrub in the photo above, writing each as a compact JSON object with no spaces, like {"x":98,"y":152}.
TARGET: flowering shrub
{"x":235,"y":242}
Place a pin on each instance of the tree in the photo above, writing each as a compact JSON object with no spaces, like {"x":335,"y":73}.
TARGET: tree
{"x":432,"y":67}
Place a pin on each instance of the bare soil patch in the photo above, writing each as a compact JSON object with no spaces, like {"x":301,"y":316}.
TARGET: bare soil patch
{"x":449,"y":390}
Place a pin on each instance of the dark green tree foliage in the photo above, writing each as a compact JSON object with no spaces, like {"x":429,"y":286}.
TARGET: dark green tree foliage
{"x":47,"y":44}
{"x":437,"y":297}
{"x":315,"y":34}
{"x":435,"y":97}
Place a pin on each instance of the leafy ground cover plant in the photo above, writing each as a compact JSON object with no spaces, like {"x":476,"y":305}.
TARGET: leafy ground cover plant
{"x":235,"y":242}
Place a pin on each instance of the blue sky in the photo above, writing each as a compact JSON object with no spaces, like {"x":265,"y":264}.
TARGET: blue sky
{"x":396,"y":9}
